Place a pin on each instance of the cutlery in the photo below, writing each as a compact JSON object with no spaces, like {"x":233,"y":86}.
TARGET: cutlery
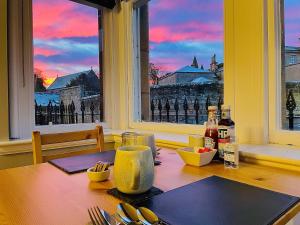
{"x":95,"y":217}
{"x":121,"y":222}
{"x":110,"y":219}
{"x":127,"y":213}
{"x":142,"y":215}
{"x":146,"y":216}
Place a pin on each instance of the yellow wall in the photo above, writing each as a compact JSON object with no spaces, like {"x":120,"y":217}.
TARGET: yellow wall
{"x":3,"y":72}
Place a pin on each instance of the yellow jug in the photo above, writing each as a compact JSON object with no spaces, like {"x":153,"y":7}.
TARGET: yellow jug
{"x":134,"y":169}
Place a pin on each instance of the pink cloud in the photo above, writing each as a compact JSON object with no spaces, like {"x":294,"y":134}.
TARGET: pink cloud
{"x":168,"y":64}
{"x":175,"y":4}
{"x":58,"y":19}
{"x":189,"y":31}
{"x":45,"y":70}
{"x":45,"y":51}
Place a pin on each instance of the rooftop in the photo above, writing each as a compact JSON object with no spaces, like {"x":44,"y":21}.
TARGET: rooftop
{"x":63,"y":81}
{"x":191,"y":69}
{"x":292,"y":49}
{"x":203,"y":80}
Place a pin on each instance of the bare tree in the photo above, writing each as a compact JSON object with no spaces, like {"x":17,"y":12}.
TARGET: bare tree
{"x":154,"y":73}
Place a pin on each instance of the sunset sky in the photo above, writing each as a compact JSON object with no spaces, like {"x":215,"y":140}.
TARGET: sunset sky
{"x":292,"y":22}
{"x":66,"y":34}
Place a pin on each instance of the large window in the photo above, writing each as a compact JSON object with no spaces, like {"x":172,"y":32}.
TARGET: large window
{"x":179,"y":49}
{"x":291,"y":65}
{"x":67,"y":63}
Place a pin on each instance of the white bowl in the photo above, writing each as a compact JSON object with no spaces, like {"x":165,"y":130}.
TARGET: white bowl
{"x":98,"y":176}
{"x":196,"y":159}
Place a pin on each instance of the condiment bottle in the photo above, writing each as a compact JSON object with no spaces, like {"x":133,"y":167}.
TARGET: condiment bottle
{"x":231,"y":154}
{"x":211,"y":132}
{"x":225,"y":130}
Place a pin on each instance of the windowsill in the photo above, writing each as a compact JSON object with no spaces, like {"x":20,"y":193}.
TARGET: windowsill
{"x":281,"y":156}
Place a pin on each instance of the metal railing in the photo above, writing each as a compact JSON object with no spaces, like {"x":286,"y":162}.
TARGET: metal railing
{"x":189,"y":112}
{"x":65,"y":114}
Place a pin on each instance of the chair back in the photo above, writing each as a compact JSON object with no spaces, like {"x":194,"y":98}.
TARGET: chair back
{"x":38,"y":140}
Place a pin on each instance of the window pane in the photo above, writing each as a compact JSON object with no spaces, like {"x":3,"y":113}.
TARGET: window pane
{"x":67,"y":58}
{"x":180,"y":54}
{"x":291,"y":65}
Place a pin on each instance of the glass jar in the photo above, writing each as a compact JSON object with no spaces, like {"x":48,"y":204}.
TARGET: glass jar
{"x":129,"y":138}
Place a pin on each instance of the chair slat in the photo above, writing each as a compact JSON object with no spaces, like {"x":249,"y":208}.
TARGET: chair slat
{"x":68,"y":137}
{"x":47,"y":158}
{"x":38,"y":140}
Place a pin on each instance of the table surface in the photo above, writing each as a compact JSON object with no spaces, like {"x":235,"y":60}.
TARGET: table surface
{"x":43,"y":194}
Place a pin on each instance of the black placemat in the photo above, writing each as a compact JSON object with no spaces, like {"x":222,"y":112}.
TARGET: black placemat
{"x":76,"y":164}
{"x":134,"y":199}
{"x":219,"y":201}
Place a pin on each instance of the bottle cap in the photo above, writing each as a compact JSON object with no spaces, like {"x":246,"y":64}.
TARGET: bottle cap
{"x":225,"y":107}
{"x":212,"y":108}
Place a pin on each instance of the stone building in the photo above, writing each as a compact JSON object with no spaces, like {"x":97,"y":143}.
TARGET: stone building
{"x":292,"y":72}
{"x":75,"y":95}
{"x":194,"y":74}
{"x":83,"y":91}
{"x":292,"y":64}
{"x":292,"y":55}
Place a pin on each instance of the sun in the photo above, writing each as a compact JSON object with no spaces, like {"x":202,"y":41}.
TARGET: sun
{"x":48,"y":81}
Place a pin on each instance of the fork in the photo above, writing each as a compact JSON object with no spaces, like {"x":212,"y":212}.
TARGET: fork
{"x":96,"y":216}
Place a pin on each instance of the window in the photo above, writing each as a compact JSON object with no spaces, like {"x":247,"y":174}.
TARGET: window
{"x":67,"y":63}
{"x":179,"y":60}
{"x":291,"y":66}
{"x":293,"y":59}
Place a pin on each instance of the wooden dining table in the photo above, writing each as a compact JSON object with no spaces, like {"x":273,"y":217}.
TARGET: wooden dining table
{"x":44,"y":195}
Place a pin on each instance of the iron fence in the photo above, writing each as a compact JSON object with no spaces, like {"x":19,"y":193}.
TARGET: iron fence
{"x":65,"y":114}
{"x":162,"y":110}
{"x":188,"y":112}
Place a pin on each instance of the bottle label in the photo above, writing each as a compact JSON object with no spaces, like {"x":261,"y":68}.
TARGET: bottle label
{"x":229,"y":157}
{"x":231,"y":153}
{"x":209,"y":143}
{"x":223,"y":139}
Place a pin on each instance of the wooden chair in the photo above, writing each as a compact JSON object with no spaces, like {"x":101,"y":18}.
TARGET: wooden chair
{"x":38,"y":140}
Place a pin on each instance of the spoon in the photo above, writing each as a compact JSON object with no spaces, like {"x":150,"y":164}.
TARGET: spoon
{"x":147,"y":216}
{"x":108,"y":218}
{"x":127,"y":213}
{"x":121,"y":222}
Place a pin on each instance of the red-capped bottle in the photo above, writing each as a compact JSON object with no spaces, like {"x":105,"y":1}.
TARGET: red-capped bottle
{"x":211,"y":132}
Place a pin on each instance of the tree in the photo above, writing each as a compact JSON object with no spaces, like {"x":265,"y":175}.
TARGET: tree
{"x":39,"y":83}
{"x":154,"y":73}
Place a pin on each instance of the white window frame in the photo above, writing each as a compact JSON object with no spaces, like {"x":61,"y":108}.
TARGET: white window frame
{"x":276,"y":134}
{"x":21,"y":79}
{"x":135,"y":90}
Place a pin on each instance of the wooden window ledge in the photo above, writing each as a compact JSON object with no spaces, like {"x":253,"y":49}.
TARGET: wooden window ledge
{"x":280,"y":156}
